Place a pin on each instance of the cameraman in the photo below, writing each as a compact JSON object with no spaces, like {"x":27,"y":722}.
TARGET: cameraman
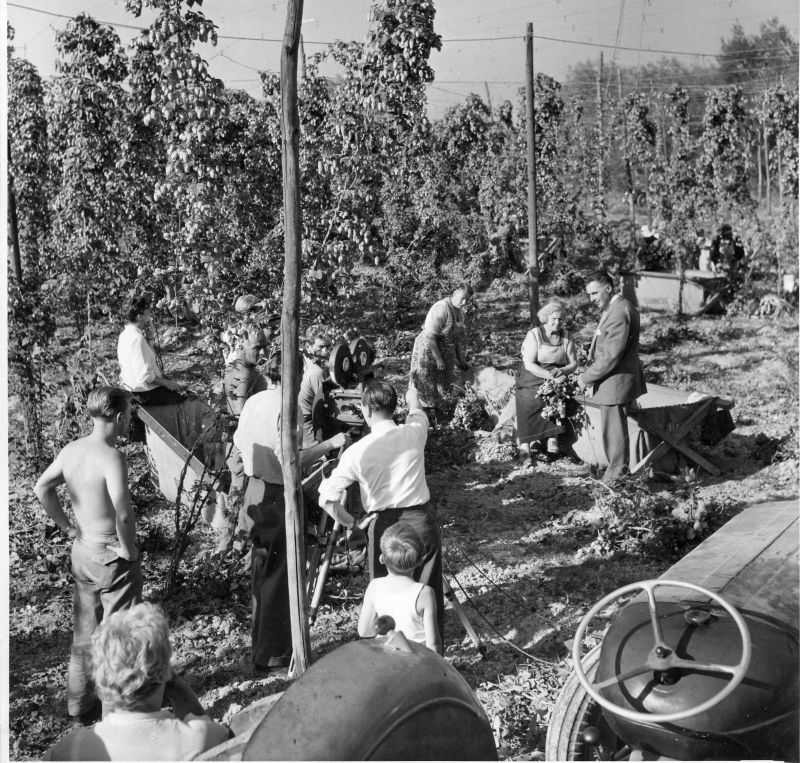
{"x":316,"y":352}
{"x":258,"y":442}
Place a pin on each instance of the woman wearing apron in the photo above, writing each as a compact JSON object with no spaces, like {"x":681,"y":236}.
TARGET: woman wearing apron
{"x":547,"y":353}
{"x":439,"y":347}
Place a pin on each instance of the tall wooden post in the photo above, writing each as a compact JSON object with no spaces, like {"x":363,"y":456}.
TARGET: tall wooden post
{"x":600,"y":130}
{"x":290,"y":320}
{"x":758,"y":164}
{"x":533,"y":256}
{"x":766,"y":169}
{"x":13,"y":226}
{"x":628,"y":172}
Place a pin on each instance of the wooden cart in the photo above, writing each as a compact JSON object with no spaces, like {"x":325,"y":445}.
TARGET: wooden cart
{"x":660,"y":291}
{"x":662,"y":429}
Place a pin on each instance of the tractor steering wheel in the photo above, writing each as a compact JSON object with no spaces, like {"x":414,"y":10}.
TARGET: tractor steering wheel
{"x":661,"y":656}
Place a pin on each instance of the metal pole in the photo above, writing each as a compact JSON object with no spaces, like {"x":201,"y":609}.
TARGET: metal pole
{"x":290,"y":440}
{"x":533,"y":256}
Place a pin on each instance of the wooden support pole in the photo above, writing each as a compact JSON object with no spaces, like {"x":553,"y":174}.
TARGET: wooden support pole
{"x":600,"y":131}
{"x":628,"y":172}
{"x":13,"y":225}
{"x":758,"y":164}
{"x":533,"y":256}
{"x":766,"y":169}
{"x":290,"y":321}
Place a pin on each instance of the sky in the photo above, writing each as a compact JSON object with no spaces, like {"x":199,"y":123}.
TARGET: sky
{"x":468,"y":61}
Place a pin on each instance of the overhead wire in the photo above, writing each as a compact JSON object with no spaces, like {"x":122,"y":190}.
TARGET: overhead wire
{"x":446,"y":39}
{"x":616,"y":43}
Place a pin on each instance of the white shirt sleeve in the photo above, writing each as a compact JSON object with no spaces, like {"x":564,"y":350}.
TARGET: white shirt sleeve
{"x":344,"y":474}
{"x":144,"y":360}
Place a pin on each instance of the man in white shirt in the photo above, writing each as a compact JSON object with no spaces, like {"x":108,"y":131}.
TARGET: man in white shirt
{"x":258,"y":445}
{"x":138,"y":371}
{"x":389,"y":466}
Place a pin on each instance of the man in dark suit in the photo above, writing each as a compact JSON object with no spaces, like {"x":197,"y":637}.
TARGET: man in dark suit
{"x":614,"y":376}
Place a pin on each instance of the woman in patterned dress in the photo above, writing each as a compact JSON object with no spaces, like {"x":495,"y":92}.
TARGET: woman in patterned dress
{"x":547,"y":353}
{"x":439,"y":347}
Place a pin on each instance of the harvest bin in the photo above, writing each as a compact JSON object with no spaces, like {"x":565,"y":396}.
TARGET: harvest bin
{"x":659,"y":291}
{"x":171,"y":433}
{"x":661,"y":414}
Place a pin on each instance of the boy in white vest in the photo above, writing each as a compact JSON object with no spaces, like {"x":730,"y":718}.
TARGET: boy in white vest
{"x":410,"y":604}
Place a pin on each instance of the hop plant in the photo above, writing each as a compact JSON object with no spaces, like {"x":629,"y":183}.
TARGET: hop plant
{"x":470,"y":413}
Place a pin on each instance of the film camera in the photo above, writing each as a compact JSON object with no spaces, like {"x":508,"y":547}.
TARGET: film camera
{"x":339,"y":408}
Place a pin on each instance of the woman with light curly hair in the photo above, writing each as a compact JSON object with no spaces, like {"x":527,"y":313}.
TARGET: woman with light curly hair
{"x":547,"y":353}
{"x":133,"y":677}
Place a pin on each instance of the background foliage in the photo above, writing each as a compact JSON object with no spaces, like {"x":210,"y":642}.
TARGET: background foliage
{"x":134,"y":170}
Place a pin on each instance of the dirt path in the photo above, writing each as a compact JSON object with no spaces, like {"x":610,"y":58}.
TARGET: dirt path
{"x":518,"y":541}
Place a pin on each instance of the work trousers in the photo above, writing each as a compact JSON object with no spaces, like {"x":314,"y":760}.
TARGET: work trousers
{"x":614,"y":432}
{"x":104,"y":583}
{"x":423,"y":520}
{"x":271,"y":628}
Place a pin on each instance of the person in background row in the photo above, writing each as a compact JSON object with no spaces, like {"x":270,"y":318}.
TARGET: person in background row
{"x":703,"y":244}
{"x":247,"y":339}
{"x":727,"y":255}
{"x":410,"y":604}
{"x":138,"y":371}
{"x":316,"y":353}
{"x":614,"y":377}
{"x":547,"y":353}
{"x":439,"y":347}
{"x":132,"y":672}
{"x":105,"y":560}
{"x":389,"y":466}
{"x":257,"y":455}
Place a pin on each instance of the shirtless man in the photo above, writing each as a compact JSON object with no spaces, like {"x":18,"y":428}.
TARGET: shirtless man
{"x":105,"y":561}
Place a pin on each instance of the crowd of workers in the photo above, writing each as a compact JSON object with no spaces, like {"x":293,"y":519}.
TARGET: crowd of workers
{"x":119,"y":666}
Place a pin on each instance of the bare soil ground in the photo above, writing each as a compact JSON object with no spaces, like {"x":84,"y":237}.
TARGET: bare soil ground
{"x":520,"y":543}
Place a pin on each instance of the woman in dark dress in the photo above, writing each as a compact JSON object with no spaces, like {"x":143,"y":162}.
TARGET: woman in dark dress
{"x":547,"y":353}
{"x":439,"y":347}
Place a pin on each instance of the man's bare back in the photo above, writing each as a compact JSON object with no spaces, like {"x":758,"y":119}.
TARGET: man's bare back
{"x":96,"y":476}
{"x":92,"y":471}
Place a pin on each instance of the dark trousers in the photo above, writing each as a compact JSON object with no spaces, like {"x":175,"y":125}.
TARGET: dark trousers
{"x":614,"y":431}
{"x":104,"y":583}
{"x":271,"y":629}
{"x":159,"y":396}
{"x":423,"y":520}
{"x":150,"y":399}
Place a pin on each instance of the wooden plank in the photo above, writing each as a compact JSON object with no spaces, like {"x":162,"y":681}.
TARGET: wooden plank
{"x":169,"y":456}
{"x":752,"y":561}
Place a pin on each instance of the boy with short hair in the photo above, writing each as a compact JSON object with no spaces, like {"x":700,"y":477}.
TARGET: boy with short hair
{"x":410,"y":604}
